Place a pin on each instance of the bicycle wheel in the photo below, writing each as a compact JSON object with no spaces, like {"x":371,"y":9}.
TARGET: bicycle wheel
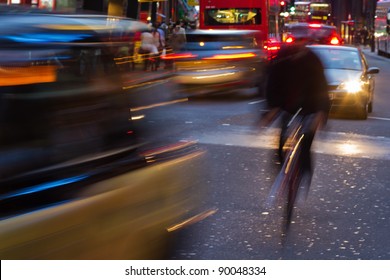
{"x":293,"y":172}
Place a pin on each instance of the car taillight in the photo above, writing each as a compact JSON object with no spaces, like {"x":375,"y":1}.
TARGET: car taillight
{"x":231,"y":56}
{"x":273,"y":48}
{"x":289,"y":40}
{"x":335,"y":41}
{"x":272,"y":45}
{"x":178,"y":56}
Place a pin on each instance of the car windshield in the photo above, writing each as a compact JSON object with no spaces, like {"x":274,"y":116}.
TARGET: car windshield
{"x":339,"y":59}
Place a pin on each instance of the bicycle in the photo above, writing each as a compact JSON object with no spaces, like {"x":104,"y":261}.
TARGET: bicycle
{"x":284,"y":191}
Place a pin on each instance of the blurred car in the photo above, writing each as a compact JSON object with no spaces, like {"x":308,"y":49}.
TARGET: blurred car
{"x":218,"y":60}
{"x":351,"y":81}
{"x":76,"y":182}
{"x":312,"y":33}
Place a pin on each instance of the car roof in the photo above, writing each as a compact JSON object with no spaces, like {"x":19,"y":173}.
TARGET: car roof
{"x":74,"y":28}
{"x":335,"y":47}
{"x":306,"y":24}
{"x":222,"y":32}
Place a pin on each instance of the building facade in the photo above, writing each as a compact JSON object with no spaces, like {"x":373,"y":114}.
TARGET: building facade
{"x":358,"y":13}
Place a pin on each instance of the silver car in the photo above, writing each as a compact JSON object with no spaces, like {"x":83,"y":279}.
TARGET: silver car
{"x":351,"y":81}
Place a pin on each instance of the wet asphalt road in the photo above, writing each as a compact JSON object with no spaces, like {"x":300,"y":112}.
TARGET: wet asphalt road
{"x":347,"y":212}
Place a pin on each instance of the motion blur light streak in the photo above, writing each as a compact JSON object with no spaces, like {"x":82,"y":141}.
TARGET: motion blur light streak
{"x":232,"y":47}
{"x":43,"y":38}
{"x":231,"y":56}
{"x":134,"y":118}
{"x":12,"y":76}
{"x":214,"y":76}
{"x":192,"y":220}
{"x":45,"y":186}
{"x":213,"y":69}
{"x":178,"y":56}
{"x":158,"y":105}
{"x":75,"y":27}
{"x":144,"y":84}
{"x":169,"y":148}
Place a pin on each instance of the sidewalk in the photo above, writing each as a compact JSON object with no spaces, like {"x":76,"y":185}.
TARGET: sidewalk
{"x":367,"y":50}
{"x":368,"y":53}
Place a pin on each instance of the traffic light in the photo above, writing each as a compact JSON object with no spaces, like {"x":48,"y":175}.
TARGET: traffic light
{"x":282,"y":6}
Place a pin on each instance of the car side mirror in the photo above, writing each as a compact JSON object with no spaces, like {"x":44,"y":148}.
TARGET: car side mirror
{"x":373,"y":70}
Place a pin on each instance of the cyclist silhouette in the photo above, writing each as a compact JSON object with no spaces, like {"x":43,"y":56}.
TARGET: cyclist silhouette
{"x":296,"y":81}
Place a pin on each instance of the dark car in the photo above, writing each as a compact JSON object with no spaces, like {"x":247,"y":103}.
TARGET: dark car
{"x":218,"y":60}
{"x":312,"y":33}
{"x":75,"y":181}
{"x":351,"y":81}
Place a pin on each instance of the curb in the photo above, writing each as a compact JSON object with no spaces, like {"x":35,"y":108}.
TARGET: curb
{"x":367,"y":52}
{"x":139,"y":76}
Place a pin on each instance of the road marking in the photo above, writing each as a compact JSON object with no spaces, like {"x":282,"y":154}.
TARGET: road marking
{"x":378,"y":118}
{"x":264,"y":110}
{"x":256,"y":102}
{"x":330,"y":143}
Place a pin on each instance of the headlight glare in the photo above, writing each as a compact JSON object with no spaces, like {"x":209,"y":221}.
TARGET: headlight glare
{"x":351,"y":86}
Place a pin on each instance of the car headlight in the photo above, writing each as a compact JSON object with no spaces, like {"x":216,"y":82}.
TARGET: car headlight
{"x":351,"y":86}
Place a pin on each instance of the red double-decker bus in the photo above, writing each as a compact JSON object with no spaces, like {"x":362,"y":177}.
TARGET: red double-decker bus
{"x":261,"y":15}
{"x":382,"y":27}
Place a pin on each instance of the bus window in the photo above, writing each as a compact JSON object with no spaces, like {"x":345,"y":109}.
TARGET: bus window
{"x":320,"y":12}
{"x":301,"y":11}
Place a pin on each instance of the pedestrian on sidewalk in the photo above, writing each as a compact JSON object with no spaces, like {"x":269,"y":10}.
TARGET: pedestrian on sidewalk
{"x":177,"y":41}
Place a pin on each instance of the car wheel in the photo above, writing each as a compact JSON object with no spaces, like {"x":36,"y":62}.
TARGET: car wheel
{"x":370,"y":107}
{"x":363,"y":112}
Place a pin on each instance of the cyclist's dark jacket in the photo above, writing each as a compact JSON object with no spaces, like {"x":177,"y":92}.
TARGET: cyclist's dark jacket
{"x":296,"y":79}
